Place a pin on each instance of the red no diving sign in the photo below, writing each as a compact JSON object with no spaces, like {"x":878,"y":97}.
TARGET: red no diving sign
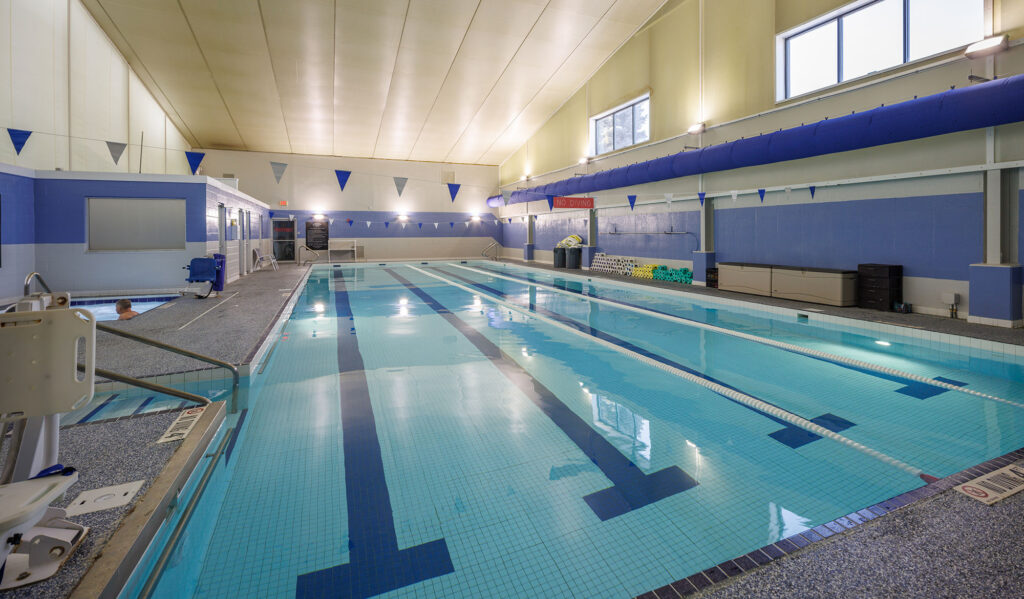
{"x":996,"y":485}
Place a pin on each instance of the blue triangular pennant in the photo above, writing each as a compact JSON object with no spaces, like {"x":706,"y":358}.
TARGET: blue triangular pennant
{"x":342,"y":178}
{"x":760,"y":192}
{"x":420,"y":225}
{"x":18,"y":138}
{"x":551,"y":202}
{"x":453,"y":190}
{"x":812,"y":191}
{"x":351,"y":222}
{"x":632,"y":201}
{"x":386,"y":223}
{"x":700,"y":196}
{"x":194,"y":159}
{"x":452,"y":225}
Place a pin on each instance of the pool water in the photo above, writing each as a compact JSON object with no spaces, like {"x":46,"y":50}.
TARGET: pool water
{"x":457,"y":430}
{"x":103,"y":308}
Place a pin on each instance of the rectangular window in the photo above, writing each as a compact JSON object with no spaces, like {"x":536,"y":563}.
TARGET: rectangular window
{"x":621,"y":127}
{"x":873,"y":35}
{"x":938,"y":25}
{"x":872,"y":38}
{"x":136,"y":224}
{"x":813,"y":59}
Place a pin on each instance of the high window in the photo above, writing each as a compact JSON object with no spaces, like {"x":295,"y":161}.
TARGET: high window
{"x":873,"y":36}
{"x":621,"y":127}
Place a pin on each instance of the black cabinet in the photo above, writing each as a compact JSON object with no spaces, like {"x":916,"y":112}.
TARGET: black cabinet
{"x":879,"y":286}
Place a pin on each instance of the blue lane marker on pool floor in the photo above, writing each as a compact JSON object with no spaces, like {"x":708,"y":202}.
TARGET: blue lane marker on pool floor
{"x":631,"y":488}
{"x":913,"y":388}
{"x":790,"y":435}
{"x":97,"y":409}
{"x":143,"y":405}
{"x":376,"y":564}
{"x":234,"y":435}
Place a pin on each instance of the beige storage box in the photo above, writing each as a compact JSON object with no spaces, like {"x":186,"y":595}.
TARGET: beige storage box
{"x":745,"y":278}
{"x":816,"y":285}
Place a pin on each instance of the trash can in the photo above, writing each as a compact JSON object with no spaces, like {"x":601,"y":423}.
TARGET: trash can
{"x":222,"y":269}
{"x":573,"y":257}
{"x":559,"y":257}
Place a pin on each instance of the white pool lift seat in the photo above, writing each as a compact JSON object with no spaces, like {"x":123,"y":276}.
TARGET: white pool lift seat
{"x":39,"y":373}
{"x":259,"y":259}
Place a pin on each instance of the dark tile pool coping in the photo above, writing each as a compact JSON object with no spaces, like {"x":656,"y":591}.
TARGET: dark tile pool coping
{"x":769,"y":553}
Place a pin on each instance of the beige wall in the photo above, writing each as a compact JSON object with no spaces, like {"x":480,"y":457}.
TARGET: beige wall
{"x":62,"y":79}
{"x":738,"y":82}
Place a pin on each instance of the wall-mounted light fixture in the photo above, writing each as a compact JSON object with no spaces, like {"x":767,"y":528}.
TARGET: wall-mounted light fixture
{"x":696,"y":128}
{"x":318,"y":217}
{"x":525,"y":177}
{"x":988,"y":46}
{"x":403,"y":217}
{"x":475,"y":218}
{"x":584,"y":160}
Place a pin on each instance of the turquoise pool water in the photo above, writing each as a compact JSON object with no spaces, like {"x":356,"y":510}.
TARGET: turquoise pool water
{"x":103,"y":307}
{"x":456,"y":430}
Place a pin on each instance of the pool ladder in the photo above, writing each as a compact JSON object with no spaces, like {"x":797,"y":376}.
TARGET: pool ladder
{"x":494,"y":244}
{"x":122,"y":378}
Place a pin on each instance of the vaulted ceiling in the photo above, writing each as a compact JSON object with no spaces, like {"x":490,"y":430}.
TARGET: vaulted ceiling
{"x":438,"y":80}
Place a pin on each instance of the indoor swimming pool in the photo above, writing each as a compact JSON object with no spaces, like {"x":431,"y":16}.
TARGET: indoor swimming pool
{"x":481,"y":429}
{"x":103,"y":307}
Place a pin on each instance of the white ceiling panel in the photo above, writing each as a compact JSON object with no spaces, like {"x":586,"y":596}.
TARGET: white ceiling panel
{"x":435,"y":80}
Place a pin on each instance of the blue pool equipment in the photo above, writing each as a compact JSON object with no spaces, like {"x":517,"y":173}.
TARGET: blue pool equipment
{"x":39,"y":538}
{"x":206,"y":270}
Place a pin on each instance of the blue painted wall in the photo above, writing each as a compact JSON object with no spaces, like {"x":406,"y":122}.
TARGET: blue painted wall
{"x":513,"y":233}
{"x":1020,"y":226}
{"x":17,"y":210}
{"x":61,"y":205}
{"x":549,"y":230}
{"x":450,"y":224}
{"x":657,"y":245}
{"x":932,"y":236}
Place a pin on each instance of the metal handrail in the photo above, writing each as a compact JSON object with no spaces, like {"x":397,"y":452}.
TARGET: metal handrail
{"x":309,"y":249}
{"x":121,"y":378}
{"x":38,"y":277}
{"x":488,"y":248}
{"x":177,"y":350}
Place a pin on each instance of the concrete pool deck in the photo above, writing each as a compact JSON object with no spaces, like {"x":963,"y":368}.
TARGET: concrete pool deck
{"x":229,"y":328}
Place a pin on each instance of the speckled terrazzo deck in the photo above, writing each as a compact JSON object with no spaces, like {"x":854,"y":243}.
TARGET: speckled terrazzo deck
{"x":950,"y":546}
{"x":229,"y":328}
{"x":104,"y":453}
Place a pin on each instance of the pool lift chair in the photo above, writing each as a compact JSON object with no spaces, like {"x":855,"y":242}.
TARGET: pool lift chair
{"x":202,"y":270}
{"x":42,"y":342}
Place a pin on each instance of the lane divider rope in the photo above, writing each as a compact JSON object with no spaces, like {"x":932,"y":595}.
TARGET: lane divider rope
{"x":757,"y":339}
{"x":741,"y":397}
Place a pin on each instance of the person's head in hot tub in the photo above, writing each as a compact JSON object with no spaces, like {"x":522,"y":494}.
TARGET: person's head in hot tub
{"x":124,"y":309}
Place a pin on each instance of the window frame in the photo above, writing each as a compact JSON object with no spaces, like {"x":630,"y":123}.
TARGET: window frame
{"x":610,"y":114}
{"x":782,"y":79}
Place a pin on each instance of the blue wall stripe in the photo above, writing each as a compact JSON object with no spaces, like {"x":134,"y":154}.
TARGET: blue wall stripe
{"x":931,"y":236}
{"x":340,"y":229}
{"x":376,"y":564}
{"x":61,"y":205}
{"x":17,"y":210}
{"x":631,"y":488}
